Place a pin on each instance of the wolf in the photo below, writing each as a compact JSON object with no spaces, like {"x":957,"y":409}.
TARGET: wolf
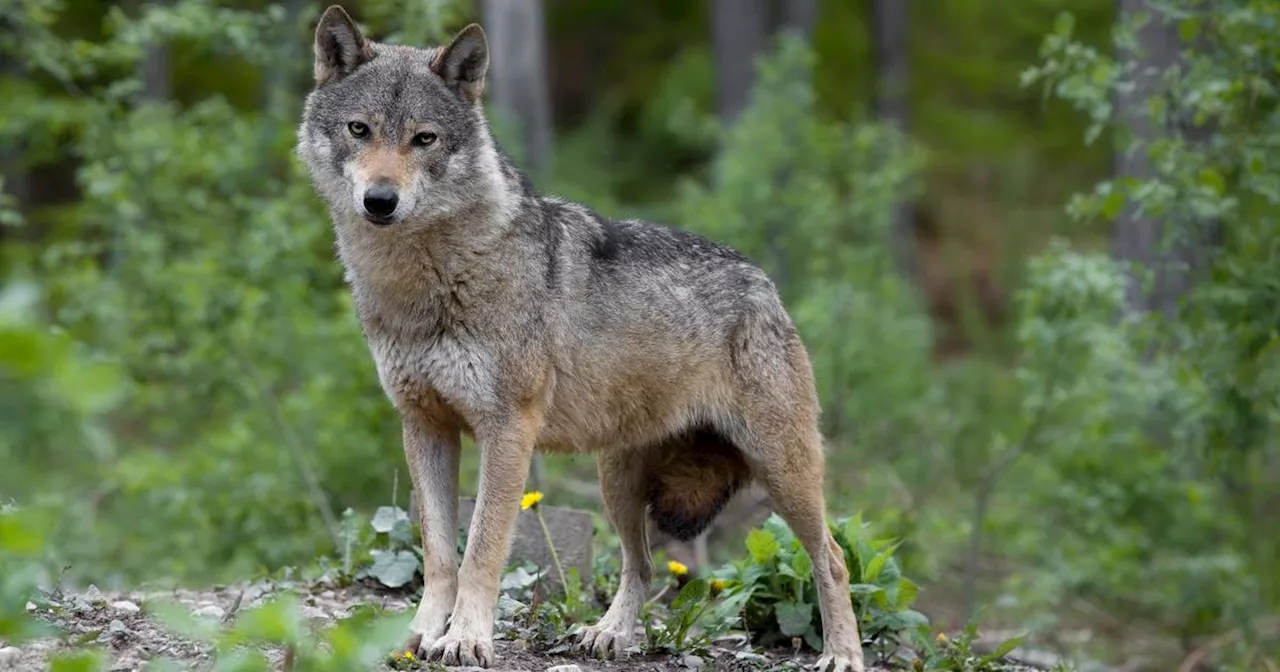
{"x":532,"y":323}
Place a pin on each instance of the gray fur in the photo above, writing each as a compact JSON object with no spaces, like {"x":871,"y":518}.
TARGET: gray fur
{"x":531,"y":322}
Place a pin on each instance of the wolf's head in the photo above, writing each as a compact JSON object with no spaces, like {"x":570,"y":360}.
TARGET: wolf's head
{"x":395,"y":135}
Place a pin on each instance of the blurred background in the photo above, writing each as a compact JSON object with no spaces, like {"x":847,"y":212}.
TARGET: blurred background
{"x":1031,"y":245}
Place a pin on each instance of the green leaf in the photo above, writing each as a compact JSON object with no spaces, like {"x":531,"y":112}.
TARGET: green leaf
{"x":877,"y":563}
{"x":1188,"y":29}
{"x":853,"y":528}
{"x":864,"y":554}
{"x":793,"y":617}
{"x":277,"y":622}
{"x":889,"y":575}
{"x":813,"y":639}
{"x":1112,"y":204}
{"x":865,"y":589}
{"x":1004,"y":649}
{"x":393,"y":568}
{"x":81,"y":661}
{"x":386,"y":517}
{"x":762,"y":545}
{"x":907,"y":592}
{"x":1213,"y":180}
{"x":902,"y":620}
{"x":801,"y":563}
{"x":691,"y":595}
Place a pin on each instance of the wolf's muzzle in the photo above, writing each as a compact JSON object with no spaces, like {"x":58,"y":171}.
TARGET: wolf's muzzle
{"x":380,"y":202}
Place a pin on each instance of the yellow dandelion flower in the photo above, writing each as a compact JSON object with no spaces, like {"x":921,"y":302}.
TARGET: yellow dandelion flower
{"x":677,"y":568}
{"x":718,"y":586}
{"x":408,"y":655}
{"x":530,"y":500}
{"x":942,"y":638}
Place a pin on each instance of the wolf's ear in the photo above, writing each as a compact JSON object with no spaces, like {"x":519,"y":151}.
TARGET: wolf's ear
{"x":464,"y":62}
{"x":340,"y":48}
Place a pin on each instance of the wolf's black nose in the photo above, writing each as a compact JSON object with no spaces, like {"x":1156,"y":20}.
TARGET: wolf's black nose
{"x":380,"y":200}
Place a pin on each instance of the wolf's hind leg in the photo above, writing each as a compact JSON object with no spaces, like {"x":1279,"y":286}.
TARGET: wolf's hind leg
{"x":623,"y":487}
{"x":433,"y":457}
{"x":779,"y":435}
{"x":792,"y":470}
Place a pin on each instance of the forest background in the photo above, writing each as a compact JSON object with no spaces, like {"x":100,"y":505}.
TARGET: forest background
{"x":1031,"y":245}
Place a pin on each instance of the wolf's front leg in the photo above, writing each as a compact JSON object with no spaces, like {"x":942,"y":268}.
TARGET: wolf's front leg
{"x":432,"y":450}
{"x":506,"y":452}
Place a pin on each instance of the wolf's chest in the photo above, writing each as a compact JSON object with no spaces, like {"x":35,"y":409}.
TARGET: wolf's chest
{"x":415,"y":363}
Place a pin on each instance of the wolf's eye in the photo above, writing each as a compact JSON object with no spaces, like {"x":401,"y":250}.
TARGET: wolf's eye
{"x":358,"y":129}
{"x":424,"y":139}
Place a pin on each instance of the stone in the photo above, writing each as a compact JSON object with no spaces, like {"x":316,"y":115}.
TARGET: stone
{"x":126,"y":606}
{"x":692,"y":662}
{"x":314,"y":613}
{"x":509,"y":609}
{"x":572,"y":532}
{"x":564,"y":668}
{"x":9,"y":657}
{"x":211,"y":611}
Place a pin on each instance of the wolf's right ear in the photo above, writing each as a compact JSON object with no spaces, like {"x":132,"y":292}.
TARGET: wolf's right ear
{"x":340,"y":48}
{"x":462,"y":64}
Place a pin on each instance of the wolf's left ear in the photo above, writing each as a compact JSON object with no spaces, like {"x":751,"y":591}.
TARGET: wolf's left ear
{"x":340,"y":48}
{"x":464,"y":62}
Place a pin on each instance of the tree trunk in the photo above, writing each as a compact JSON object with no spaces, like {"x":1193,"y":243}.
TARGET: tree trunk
{"x":1138,"y":238}
{"x":890,"y":26}
{"x":737,"y":36}
{"x":518,"y":74}
{"x":798,"y":16}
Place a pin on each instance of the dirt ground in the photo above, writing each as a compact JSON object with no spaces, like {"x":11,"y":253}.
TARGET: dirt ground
{"x":119,"y":624}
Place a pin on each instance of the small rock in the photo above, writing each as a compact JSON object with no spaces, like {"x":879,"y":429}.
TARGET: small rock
{"x":509,"y":608}
{"x":314,"y":613}
{"x":209,"y":611}
{"x":31,"y":606}
{"x":564,"y":668}
{"x":692,"y":662}
{"x":9,"y":657}
{"x":115,"y":632}
{"x":750,"y":657}
{"x":126,"y":606}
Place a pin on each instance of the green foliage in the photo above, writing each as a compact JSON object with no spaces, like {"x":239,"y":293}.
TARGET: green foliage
{"x":957,"y":655}
{"x":1163,"y":435}
{"x":701,"y":611}
{"x":780,"y":599}
{"x":360,"y":641}
{"x":187,"y":394}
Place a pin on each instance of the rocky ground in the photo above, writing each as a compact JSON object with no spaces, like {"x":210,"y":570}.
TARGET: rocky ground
{"x":125,"y":626}
{"x":122,"y":625}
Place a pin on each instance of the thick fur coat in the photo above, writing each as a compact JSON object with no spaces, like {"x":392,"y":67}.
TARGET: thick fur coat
{"x":536,"y":324}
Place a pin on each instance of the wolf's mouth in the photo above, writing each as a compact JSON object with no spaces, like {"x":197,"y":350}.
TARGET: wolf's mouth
{"x":380,"y":221}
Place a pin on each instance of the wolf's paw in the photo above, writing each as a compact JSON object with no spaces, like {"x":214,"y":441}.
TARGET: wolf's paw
{"x":840,"y":662}
{"x":462,"y":649}
{"x":604,"y":641}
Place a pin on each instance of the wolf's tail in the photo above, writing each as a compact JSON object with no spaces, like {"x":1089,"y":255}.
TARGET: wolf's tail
{"x":691,"y":479}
